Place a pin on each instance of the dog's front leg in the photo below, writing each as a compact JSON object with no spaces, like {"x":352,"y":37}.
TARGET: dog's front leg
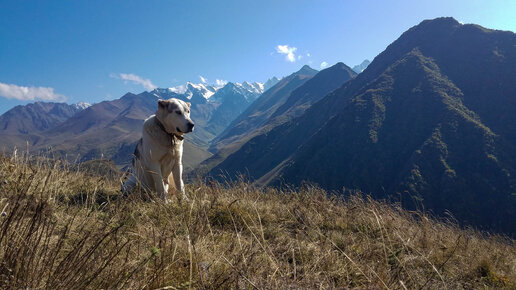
{"x":157,"y":178}
{"x":177,"y":173}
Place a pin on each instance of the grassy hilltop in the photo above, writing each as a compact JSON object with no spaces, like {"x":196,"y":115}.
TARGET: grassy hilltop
{"x":64,"y":227}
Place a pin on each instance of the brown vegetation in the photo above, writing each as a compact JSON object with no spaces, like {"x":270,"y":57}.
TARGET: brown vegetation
{"x":61,"y":228}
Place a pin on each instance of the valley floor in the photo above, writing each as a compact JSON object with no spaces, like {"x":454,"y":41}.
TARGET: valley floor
{"x":65,"y":227}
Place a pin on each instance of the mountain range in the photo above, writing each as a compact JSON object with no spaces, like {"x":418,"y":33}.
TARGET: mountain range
{"x":431,"y":122}
{"x":283,"y":102}
{"x":110,"y":129}
{"x":36,"y":117}
{"x":213,"y":108}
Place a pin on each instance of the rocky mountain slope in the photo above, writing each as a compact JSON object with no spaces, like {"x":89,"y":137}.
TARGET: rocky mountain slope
{"x":292,"y":103}
{"x":37,"y":117}
{"x":259,"y":112}
{"x":431,"y":122}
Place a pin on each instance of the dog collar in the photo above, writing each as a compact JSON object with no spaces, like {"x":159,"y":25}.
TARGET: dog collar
{"x":173,"y":135}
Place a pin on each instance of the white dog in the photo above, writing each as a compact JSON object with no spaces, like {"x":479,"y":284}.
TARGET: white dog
{"x":157,"y":162}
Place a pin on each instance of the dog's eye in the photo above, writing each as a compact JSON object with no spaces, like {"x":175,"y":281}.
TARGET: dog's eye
{"x":178,"y":112}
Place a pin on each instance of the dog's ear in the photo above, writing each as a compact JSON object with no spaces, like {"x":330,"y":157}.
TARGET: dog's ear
{"x":188,"y":104}
{"x":162,"y":103}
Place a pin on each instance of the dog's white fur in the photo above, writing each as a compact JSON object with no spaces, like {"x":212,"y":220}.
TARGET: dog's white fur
{"x":157,"y":162}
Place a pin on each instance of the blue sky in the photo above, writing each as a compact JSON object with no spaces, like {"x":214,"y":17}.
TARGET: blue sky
{"x":98,"y":50}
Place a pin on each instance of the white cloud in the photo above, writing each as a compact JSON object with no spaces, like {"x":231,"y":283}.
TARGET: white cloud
{"x":288,"y":51}
{"x":324,"y":64}
{"x":221,"y":83}
{"x":308,"y":54}
{"x":146,"y":83}
{"x":299,"y":57}
{"x":29,"y":93}
{"x":203,"y":79}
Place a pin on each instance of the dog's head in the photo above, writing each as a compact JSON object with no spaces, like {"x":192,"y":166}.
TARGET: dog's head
{"x":174,"y":114}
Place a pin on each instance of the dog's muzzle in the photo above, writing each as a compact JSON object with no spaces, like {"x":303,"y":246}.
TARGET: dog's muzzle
{"x":190,"y":126}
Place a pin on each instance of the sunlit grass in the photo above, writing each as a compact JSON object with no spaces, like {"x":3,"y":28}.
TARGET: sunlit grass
{"x":64,"y":228}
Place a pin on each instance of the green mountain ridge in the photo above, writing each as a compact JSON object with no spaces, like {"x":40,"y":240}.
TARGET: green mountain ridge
{"x":293,"y":99}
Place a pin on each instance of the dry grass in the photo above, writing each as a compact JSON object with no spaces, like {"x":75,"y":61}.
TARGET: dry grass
{"x":64,"y":229}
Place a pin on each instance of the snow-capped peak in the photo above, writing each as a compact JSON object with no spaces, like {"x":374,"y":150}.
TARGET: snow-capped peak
{"x":255,"y":87}
{"x":204,"y":90}
{"x":260,"y":86}
{"x":188,"y":89}
{"x":81,"y":105}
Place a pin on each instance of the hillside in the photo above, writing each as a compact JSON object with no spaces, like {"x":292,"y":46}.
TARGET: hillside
{"x":423,"y":123}
{"x":227,"y":159}
{"x":25,"y":123}
{"x":262,"y":117}
{"x":259,"y":111}
{"x":65,"y":228}
{"x":37,"y":117}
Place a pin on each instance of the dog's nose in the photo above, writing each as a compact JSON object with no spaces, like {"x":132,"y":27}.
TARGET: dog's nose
{"x":190,"y":126}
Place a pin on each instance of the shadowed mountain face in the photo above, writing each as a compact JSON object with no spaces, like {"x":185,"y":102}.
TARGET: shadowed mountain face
{"x":23,"y":125}
{"x":259,"y":112}
{"x":431,"y":121}
{"x":312,"y":91}
{"x":292,"y":100}
{"x":37,"y":117}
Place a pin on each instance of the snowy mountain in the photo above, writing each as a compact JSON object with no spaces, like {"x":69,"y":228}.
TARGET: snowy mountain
{"x":361,"y":67}
{"x":270,"y":83}
{"x":213,"y":107}
{"x":81,"y":106}
{"x":189,"y":90}
{"x":194,"y":93}
{"x":246,"y":89}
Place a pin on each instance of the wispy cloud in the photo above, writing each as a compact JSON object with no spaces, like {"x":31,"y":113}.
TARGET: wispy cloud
{"x":203,"y":79}
{"x":146,"y":83}
{"x":288,"y":51}
{"x":221,"y":83}
{"x":324,"y":64}
{"x":11,"y":91}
